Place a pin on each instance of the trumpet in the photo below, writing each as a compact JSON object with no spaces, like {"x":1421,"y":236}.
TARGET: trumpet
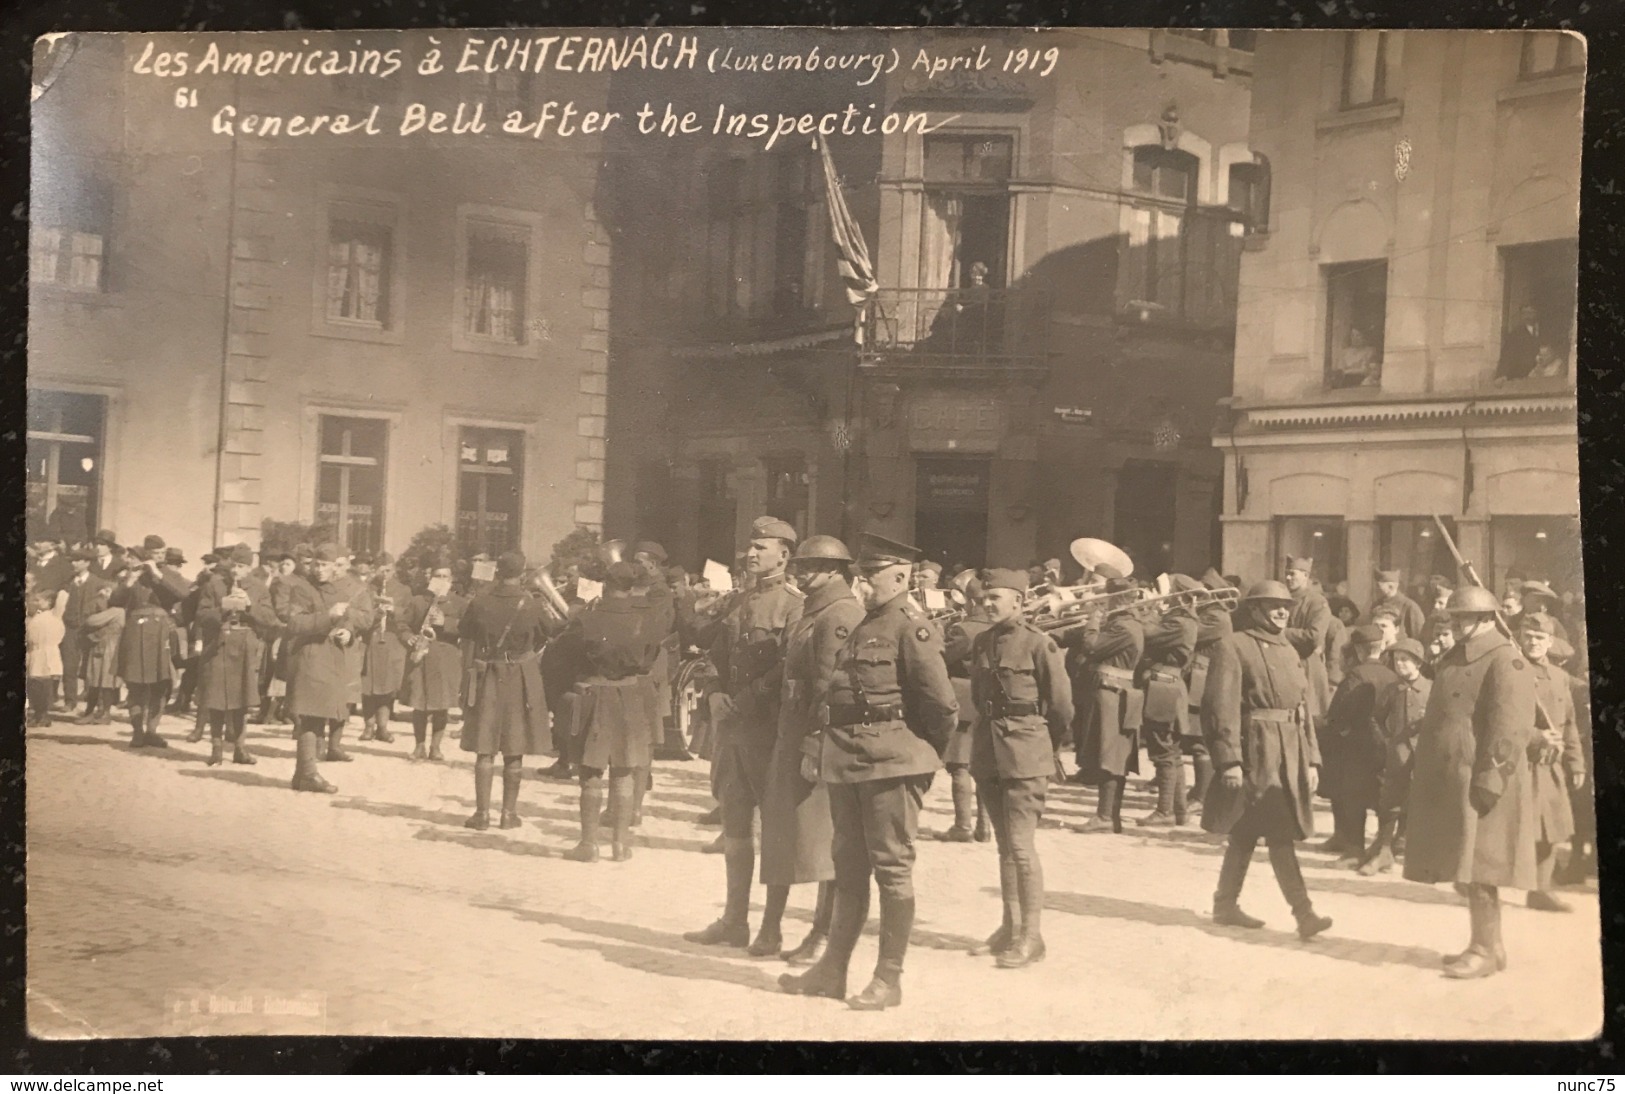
{"x":1053,"y":609}
{"x":1195,"y":599}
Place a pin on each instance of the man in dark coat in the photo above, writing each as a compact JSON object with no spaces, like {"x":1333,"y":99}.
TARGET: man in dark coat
{"x":86,"y":594}
{"x":749,"y":656}
{"x":1110,"y":707}
{"x":1409,"y":614}
{"x":1212,"y":627}
{"x":797,"y":831}
{"x":51,"y":569}
{"x":956,"y":649}
{"x":1472,"y":804}
{"x":109,"y":561}
{"x":1256,"y":719}
{"x":321,"y":625}
{"x":1169,"y":642}
{"x":1520,"y":346}
{"x":149,"y":648}
{"x":384,"y":664}
{"x":1399,"y":714}
{"x":1555,"y":756}
{"x":1353,"y":746}
{"x":233,"y":616}
{"x":891,"y":711}
{"x":1023,"y":703}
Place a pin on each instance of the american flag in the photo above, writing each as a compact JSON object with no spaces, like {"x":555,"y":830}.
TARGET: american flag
{"x":857,"y":272}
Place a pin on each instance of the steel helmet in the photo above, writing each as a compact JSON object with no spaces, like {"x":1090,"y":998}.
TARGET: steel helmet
{"x":1471,"y":600}
{"x":1269,"y":590}
{"x":822,"y":548}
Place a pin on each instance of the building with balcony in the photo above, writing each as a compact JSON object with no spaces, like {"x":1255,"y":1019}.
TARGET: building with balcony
{"x":1405,"y":341}
{"x":373,"y":333}
{"x":1057,"y":261}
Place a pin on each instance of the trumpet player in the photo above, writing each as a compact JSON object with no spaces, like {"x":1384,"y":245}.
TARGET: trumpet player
{"x":1107,"y":722}
{"x":1169,"y":643}
{"x":433,"y":669}
{"x":384,"y":664}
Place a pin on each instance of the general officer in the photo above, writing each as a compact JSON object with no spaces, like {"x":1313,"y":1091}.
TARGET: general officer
{"x":505,"y":709}
{"x":1169,"y":643}
{"x":1108,"y":720}
{"x":234,"y":615}
{"x":748,"y":655}
{"x":891,"y":711}
{"x":1472,"y":804}
{"x":1256,"y":719}
{"x":796,"y":826}
{"x":956,"y":649}
{"x":1023,"y":704}
{"x":321,"y":625}
{"x":1555,"y":755}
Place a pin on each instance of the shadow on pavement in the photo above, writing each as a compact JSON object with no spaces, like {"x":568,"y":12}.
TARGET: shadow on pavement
{"x":396,"y":809}
{"x":175,"y":753}
{"x":1394,"y":889}
{"x":241,"y":778}
{"x":489,"y":840}
{"x":1358,"y":951}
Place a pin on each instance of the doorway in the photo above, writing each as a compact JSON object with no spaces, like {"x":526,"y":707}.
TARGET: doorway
{"x":950,"y":510}
{"x":1143,"y":521}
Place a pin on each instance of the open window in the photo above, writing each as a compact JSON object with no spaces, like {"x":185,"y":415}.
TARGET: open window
{"x":1356,"y":316}
{"x":1365,"y":68}
{"x":1538,"y":306}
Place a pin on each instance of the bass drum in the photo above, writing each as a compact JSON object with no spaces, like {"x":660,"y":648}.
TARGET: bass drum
{"x":696,"y":679}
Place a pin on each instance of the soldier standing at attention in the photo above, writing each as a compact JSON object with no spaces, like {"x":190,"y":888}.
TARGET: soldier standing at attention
{"x":504,"y":630}
{"x":1472,"y":804}
{"x":1256,"y":719}
{"x":957,"y":647}
{"x":891,"y":711}
{"x":749,"y":655}
{"x":796,"y":826}
{"x":1023,"y":704}
{"x":1555,"y":754}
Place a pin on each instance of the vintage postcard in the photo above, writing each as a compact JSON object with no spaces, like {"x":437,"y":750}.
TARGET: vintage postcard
{"x":807,"y":534}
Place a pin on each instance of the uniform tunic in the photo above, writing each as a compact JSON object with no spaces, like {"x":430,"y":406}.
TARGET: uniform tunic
{"x":149,"y":647}
{"x":1476,"y":732}
{"x":749,"y":654}
{"x":1107,"y":721}
{"x":435,"y":680}
{"x":613,"y":708}
{"x":1400,"y":714}
{"x":383,"y":665}
{"x":1021,"y":702}
{"x":1553,"y":768}
{"x":956,"y":651}
{"x":1412,"y":620}
{"x":1255,"y":716}
{"x":1169,"y":644}
{"x":1353,"y":745}
{"x":233,"y":643}
{"x":359,"y":594}
{"x":503,"y":631}
{"x":319,"y":668}
{"x":1306,"y":630}
{"x":1212,"y":627}
{"x":796,"y":828}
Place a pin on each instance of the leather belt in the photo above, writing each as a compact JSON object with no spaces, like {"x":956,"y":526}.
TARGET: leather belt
{"x":865,"y":715}
{"x":1273,"y":714}
{"x":1166,"y":674}
{"x":1116,"y":677}
{"x":507,"y":658}
{"x":1009,"y":710}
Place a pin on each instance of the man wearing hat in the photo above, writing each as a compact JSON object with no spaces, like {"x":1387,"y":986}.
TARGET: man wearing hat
{"x":109,"y":556}
{"x":296,"y":569}
{"x":1353,"y":746}
{"x":1111,"y":707}
{"x":51,"y":569}
{"x":383,"y":666}
{"x":968,"y":806}
{"x":796,"y":828}
{"x":321,"y":625}
{"x":1555,"y":754}
{"x":234,"y":616}
{"x":748,"y":654}
{"x":1023,"y":704}
{"x":891,"y":710}
{"x":86,"y":595}
{"x":1538,"y":596}
{"x":654,"y":586}
{"x":1306,"y":631}
{"x":1399,"y":714}
{"x":1472,"y":817}
{"x":1439,"y":590}
{"x":171,"y":587}
{"x":1408,"y":613}
{"x":503,"y":632}
{"x":1169,"y":644}
{"x":1255,"y":715}
{"x":1212,"y":627}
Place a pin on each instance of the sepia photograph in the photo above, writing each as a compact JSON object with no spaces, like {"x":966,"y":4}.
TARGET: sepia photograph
{"x":807,"y":534}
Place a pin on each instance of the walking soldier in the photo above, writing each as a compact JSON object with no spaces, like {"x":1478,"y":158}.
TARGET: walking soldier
{"x":1256,"y":719}
{"x":1023,"y":704}
{"x":891,"y":711}
{"x":1555,"y":755}
{"x":1472,"y":803}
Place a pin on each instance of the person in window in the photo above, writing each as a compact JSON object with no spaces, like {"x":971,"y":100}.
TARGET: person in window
{"x":1520,"y":346}
{"x":1548,"y":361}
{"x":1358,"y":363}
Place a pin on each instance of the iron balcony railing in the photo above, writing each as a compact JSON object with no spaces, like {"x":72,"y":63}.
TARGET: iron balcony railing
{"x":975,"y":327}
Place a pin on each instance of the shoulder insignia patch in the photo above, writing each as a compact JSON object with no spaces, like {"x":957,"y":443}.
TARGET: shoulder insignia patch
{"x":1049,"y":644}
{"x":1517,"y":664}
{"x":923,"y":634}
{"x":842,"y":631}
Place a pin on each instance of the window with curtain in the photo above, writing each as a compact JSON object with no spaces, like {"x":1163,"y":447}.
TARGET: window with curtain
{"x":496,"y":266}
{"x":490,"y":486}
{"x":1153,"y":267}
{"x":67,"y":235}
{"x":350,"y":479}
{"x":358,"y":271}
{"x":1365,"y":67}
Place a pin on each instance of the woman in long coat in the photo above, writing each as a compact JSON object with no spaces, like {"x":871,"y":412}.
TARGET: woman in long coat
{"x":1259,"y":730}
{"x":797,"y":833}
{"x":433,"y":675}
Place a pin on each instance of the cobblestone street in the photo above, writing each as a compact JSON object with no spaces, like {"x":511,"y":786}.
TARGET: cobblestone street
{"x":164,"y":894}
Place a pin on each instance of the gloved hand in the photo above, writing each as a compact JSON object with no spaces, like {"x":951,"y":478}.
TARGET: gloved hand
{"x":1481,"y":799}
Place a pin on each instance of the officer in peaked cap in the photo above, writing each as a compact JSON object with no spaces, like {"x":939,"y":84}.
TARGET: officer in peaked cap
{"x":891,"y":713}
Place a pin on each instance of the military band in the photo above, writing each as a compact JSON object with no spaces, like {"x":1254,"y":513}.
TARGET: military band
{"x":842,"y":685}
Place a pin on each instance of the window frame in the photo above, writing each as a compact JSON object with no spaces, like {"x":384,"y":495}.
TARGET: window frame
{"x":55,"y":439}
{"x":1381,"y":89}
{"x":1328,"y":271}
{"x":369,"y":206}
{"x":1567,"y":45}
{"x":461,"y":432}
{"x":535,"y":330}
{"x":347,"y":460}
{"x":1280,"y":550}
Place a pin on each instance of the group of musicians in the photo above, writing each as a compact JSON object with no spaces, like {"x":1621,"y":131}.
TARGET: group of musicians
{"x":842,"y":687}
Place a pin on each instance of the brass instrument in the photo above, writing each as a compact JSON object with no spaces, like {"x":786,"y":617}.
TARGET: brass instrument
{"x":1195,"y":599}
{"x":1053,"y":609}
{"x":553,"y":601}
{"x":417,"y":647}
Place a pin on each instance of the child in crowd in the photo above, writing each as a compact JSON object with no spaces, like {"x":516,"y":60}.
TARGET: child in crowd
{"x":44,"y":634}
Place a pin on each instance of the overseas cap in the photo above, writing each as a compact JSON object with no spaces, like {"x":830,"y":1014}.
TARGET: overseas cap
{"x":1303,"y":563}
{"x":772,"y":528}
{"x":1015,"y":580}
{"x":1388,"y":575}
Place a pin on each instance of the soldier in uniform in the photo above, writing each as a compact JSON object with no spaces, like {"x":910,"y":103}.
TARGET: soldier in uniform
{"x":1212,"y":627}
{"x":1399,"y":715}
{"x":149,"y":650}
{"x":320,"y":625}
{"x":796,"y":828}
{"x":383,"y":666}
{"x":432,"y":681}
{"x":1108,"y":720}
{"x":1354,"y":745}
{"x":891,"y":712}
{"x":1555,"y":756}
{"x":650,"y":558}
{"x":1023,"y":704}
{"x":1169,"y":643}
{"x":503,"y":632}
{"x":233,"y":615}
{"x":1472,"y":803}
{"x":1306,"y":631}
{"x":1409,"y":614}
{"x":956,"y":648}
{"x":749,"y":656}
{"x":1256,"y":719}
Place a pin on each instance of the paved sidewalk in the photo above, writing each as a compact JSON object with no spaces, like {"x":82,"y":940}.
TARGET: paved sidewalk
{"x":168,"y":897}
